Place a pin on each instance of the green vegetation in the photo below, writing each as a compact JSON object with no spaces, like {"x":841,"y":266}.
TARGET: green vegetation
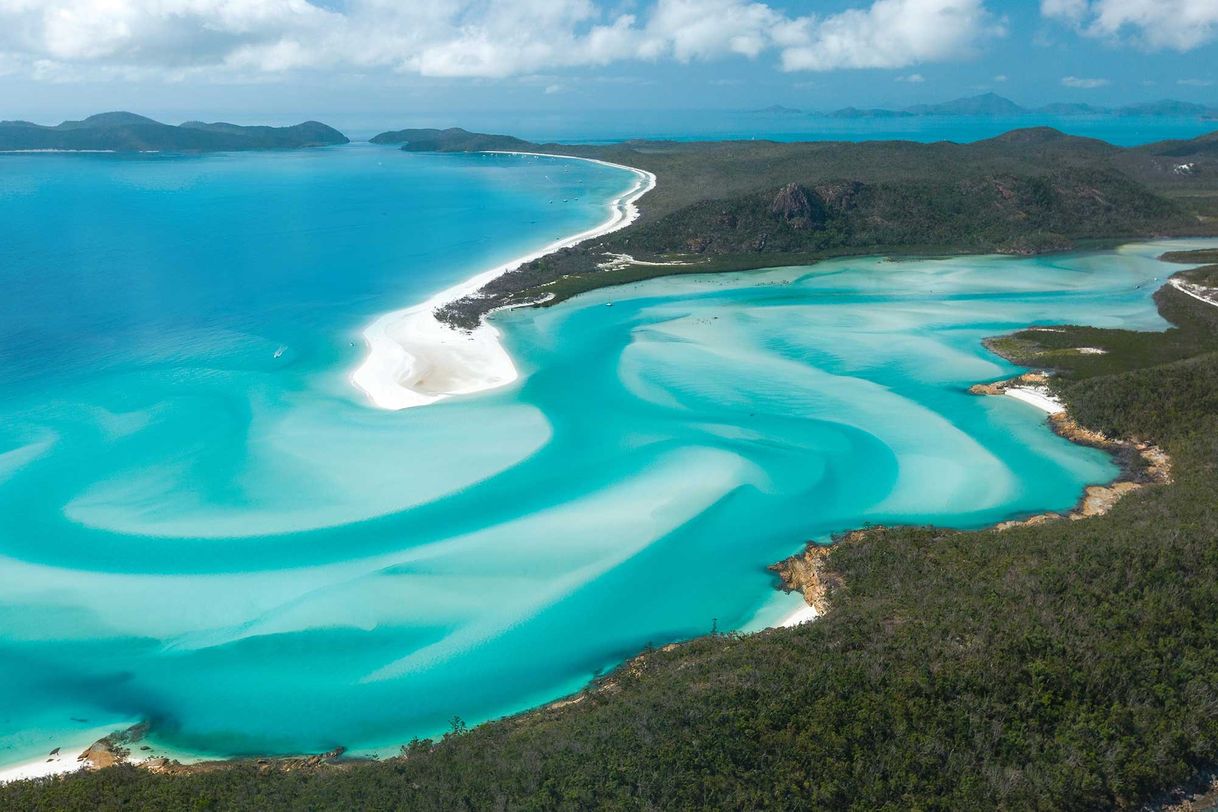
{"x":127,"y":132}
{"x":1064,"y":666}
{"x":1195,"y":327}
{"x":1198,"y":257}
{"x":1206,"y":276}
{"x":744,"y":205}
{"x":454,"y":139}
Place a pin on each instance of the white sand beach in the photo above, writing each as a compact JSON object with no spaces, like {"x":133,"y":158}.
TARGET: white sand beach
{"x":42,"y":768}
{"x":65,"y":759}
{"x":414,"y":359}
{"x":805,"y":614}
{"x":1039,"y":397}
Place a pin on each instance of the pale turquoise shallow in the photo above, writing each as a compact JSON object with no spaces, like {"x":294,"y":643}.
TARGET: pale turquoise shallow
{"x":205,"y":526}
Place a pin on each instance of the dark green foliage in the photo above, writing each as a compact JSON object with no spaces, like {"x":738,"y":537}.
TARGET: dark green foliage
{"x":1013,"y":213}
{"x":453,"y":139}
{"x":1065,"y":666}
{"x":127,"y":132}
{"x":1194,"y":328}
{"x":1206,"y":276}
{"x":1197,"y":257}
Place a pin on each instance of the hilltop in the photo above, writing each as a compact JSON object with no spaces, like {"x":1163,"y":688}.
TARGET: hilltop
{"x":128,"y":132}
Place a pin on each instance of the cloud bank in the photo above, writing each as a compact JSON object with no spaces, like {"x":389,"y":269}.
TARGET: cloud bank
{"x":1179,"y":25}
{"x":175,"y":39}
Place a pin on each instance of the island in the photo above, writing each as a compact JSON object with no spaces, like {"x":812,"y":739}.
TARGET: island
{"x":128,"y":132}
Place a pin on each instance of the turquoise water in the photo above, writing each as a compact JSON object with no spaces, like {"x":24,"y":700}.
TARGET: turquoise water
{"x":232,"y":545}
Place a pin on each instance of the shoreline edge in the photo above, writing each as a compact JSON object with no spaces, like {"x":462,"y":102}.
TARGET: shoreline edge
{"x":414,"y":359}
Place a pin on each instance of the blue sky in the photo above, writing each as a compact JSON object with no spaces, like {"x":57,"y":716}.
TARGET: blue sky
{"x":350,"y":60}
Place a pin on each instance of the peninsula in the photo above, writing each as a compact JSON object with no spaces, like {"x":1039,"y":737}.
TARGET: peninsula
{"x":128,"y":132}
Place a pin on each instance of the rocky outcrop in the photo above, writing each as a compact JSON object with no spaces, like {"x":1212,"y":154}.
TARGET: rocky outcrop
{"x":114,"y":748}
{"x":797,"y":207}
{"x":841,"y":196}
{"x":808,"y":574}
{"x":332,"y":759}
{"x":1026,"y":380}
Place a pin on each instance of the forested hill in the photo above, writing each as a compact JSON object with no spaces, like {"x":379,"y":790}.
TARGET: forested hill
{"x":128,"y":132}
{"x":744,"y":204}
{"x":453,"y":139}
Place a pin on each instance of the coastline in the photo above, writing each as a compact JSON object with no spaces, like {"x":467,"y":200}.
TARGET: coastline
{"x":805,"y":572}
{"x":815,"y":583}
{"x":58,"y":764}
{"x":94,"y":749}
{"x":414,"y":359}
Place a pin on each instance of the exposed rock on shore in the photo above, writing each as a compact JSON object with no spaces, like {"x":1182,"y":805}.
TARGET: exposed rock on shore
{"x":1141,"y":463}
{"x":114,"y":748}
{"x":808,"y":572}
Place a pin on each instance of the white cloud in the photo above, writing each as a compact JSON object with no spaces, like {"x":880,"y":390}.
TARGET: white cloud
{"x":1179,"y":25}
{"x":1084,"y":84}
{"x":474,"y":38}
{"x":889,"y":34}
{"x":1195,"y":82}
{"x":697,"y":29}
{"x":912,"y":78}
{"x":1002,"y":77}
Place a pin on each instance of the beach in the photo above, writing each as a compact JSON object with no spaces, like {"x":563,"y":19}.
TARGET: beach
{"x":415,"y":359}
{"x":1039,"y":397}
{"x":805,"y":614}
{"x":41,"y":768}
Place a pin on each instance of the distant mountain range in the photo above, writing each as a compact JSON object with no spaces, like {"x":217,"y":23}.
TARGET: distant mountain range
{"x":993,"y":105}
{"x":127,"y":132}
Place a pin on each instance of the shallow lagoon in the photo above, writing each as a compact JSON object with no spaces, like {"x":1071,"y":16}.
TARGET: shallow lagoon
{"x":237,"y":548}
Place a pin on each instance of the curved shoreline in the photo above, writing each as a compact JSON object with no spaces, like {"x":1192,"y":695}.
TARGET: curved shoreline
{"x":414,"y":359}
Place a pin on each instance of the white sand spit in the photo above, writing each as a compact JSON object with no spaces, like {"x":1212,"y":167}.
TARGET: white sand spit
{"x":415,"y":359}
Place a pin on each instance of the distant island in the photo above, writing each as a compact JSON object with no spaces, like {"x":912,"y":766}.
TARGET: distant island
{"x":780,"y":110}
{"x":454,"y":139}
{"x":991,"y":105}
{"x":723,"y":206}
{"x":128,"y":132}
